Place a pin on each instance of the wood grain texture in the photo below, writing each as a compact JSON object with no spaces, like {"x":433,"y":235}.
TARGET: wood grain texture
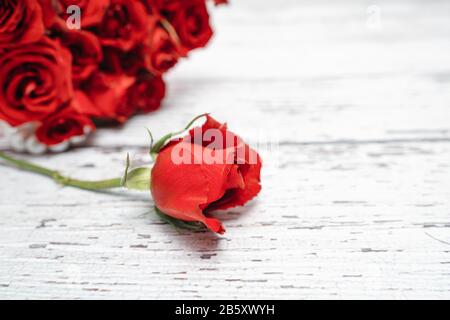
{"x":356,"y":197}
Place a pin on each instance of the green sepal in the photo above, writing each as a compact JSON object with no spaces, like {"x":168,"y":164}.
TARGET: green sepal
{"x":159,"y":144}
{"x":136,"y":179}
{"x":179,"y":224}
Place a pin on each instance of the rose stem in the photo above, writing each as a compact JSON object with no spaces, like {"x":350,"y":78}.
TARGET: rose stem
{"x":63,"y":180}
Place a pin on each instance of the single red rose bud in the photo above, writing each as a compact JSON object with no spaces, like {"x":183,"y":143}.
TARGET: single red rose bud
{"x":209,"y":169}
{"x":214,"y":175}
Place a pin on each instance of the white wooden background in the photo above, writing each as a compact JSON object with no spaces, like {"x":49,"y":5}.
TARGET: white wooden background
{"x":355,"y":200}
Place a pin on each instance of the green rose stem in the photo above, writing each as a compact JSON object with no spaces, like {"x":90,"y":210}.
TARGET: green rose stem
{"x":63,"y":180}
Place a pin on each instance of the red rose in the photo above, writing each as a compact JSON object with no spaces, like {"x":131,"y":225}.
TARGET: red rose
{"x":146,"y":93}
{"x":162,"y":52}
{"x":219,"y":2}
{"x":118,"y":62}
{"x":86,"y":53}
{"x":84,"y":105}
{"x":191,"y":22}
{"x":185,"y":190}
{"x":50,"y":16}
{"x":35,"y":80}
{"x":124,"y":24}
{"x":164,"y":5}
{"x":62,"y":126}
{"x":152,"y":6}
{"x":107,"y":96}
{"x":20,"y":22}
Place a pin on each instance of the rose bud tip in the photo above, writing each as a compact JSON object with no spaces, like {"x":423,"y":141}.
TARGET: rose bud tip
{"x":214,"y":225}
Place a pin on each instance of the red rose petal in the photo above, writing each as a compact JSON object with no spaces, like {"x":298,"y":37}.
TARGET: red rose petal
{"x":179,"y":189}
{"x":235,"y":179}
{"x":214,"y":225}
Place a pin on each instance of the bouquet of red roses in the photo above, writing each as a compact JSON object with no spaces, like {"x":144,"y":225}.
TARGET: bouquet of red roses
{"x":67,"y":65}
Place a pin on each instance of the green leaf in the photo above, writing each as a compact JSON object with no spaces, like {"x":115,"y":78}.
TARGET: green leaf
{"x":179,"y":224}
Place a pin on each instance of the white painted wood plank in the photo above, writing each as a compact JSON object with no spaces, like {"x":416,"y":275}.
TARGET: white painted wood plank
{"x":333,"y":221}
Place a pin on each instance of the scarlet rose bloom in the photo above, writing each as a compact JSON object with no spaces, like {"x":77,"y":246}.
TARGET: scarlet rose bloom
{"x":35,"y":80}
{"x":219,"y":2}
{"x":146,"y":93}
{"x":124,"y":24}
{"x":62,"y":126}
{"x":117,"y":61}
{"x":84,"y":105}
{"x":50,"y":17}
{"x":186,"y":190}
{"x":86,"y":53}
{"x":164,"y":5}
{"x":152,"y":6}
{"x":162,"y":53}
{"x":20,"y":22}
{"x":191,"y":22}
{"x":107,"y":94}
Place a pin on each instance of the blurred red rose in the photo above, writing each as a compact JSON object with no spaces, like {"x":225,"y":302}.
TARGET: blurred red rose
{"x":115,"y":62}
{"x":161,"y":50}
{"x":107,"y":94}
{"x":186,"y":190}
{"x":20,"y":22}
{"x":62,"y":126}
{"x":124,"y":25}
{"x":118,"y":62}
{"x":164,"y":5}
{"x":152,"y":6}
{"x":50,"y":18}
{"x":191,"y":22}
{"x":146,"y":93}
{"x":84,"y":105}
{"x":35,"y":80}
{"x":86,"y":53}
{"x":219,"y":2}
